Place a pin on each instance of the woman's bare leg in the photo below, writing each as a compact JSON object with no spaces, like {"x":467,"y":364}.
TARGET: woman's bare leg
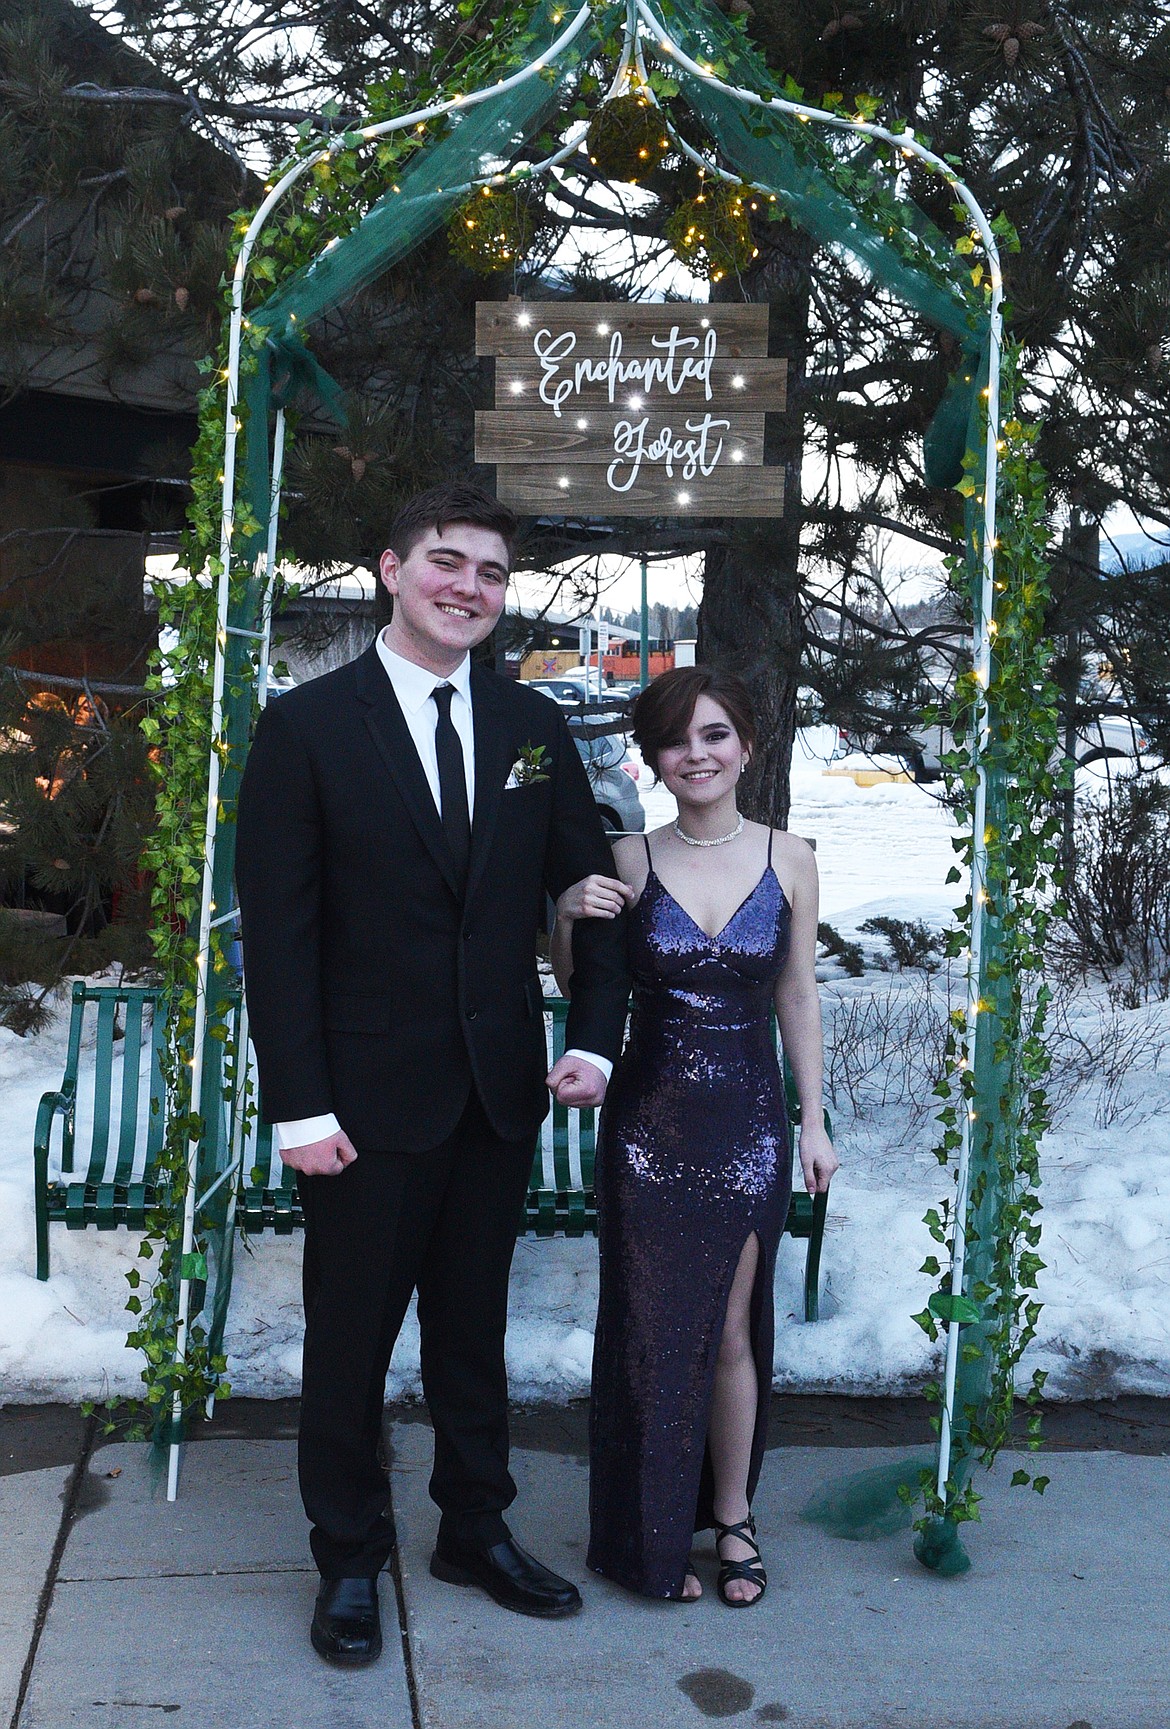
{"x":733,"y":1416}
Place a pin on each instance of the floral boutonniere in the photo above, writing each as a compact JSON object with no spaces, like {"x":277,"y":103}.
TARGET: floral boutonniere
{"x":528,"y":767}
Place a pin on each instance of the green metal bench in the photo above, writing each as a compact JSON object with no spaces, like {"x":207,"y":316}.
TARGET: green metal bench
{"x":98,"y":1137}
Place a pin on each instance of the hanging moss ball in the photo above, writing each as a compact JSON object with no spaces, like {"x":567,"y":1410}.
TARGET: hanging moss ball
{"x":712,"y":234}
{"x":492,"y":231}
{"x":627,"y":139}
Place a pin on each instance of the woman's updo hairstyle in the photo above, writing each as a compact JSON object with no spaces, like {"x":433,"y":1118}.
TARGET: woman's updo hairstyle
{"x":662,"y":712}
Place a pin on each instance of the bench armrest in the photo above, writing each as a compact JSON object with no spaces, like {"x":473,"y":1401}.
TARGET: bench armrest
{"x":51,"y":1105}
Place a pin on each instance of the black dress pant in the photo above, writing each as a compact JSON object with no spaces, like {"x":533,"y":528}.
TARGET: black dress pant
{"x":443,"y":1223}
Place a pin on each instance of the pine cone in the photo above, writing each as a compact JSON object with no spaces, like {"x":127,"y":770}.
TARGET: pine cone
{"x":357,"y":464}
{"x":146,"y":297}
{"x":182,"y":298}
{"x":997,"y":32}
{"x":174,"y":212}
{"x":1011,"y":50}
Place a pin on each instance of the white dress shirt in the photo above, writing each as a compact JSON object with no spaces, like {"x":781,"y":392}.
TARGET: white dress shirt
{"x":414,"y":687}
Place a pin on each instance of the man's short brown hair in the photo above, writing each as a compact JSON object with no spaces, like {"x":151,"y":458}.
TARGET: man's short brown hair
{"x":663,"y":710}
{"x":441,"y":506}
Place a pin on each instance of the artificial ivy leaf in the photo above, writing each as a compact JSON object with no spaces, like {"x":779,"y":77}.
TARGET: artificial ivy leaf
{"x":957,"y":1309}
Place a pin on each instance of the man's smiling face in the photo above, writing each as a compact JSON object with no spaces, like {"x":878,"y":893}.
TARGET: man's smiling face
{"x":448,"y":592}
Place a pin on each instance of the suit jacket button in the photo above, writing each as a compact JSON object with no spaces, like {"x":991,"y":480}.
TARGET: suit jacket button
{"x":471,"y":1014}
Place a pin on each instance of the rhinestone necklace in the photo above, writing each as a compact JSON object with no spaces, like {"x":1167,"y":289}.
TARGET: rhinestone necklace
{"x":720,"y":839}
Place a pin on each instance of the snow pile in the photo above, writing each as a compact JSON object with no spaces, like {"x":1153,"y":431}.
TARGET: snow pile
{"x":881,"y":850}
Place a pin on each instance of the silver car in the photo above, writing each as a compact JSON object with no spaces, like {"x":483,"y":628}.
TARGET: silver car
{"x":609,"y":767}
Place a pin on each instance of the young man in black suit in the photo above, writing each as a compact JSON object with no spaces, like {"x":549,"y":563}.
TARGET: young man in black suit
{"x":400,"y":823}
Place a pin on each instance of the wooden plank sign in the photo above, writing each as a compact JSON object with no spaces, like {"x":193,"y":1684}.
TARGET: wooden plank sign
{"x":630,"y":410}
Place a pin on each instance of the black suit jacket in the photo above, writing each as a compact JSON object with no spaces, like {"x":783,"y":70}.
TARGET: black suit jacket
{"x":373,"y":989}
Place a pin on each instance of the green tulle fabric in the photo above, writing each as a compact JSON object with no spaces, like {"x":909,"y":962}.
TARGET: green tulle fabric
{"x":865,"y":1506}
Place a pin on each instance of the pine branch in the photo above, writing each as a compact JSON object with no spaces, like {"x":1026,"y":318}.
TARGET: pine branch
{"x":57,"y":681}
{"x":133,"y":96}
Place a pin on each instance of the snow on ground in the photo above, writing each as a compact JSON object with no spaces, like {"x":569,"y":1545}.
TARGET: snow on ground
{"x":1106,"y":1325}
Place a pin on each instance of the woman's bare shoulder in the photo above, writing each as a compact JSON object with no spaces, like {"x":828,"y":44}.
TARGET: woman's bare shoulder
{"x":794,"y":850}
{"x":629,"y":855}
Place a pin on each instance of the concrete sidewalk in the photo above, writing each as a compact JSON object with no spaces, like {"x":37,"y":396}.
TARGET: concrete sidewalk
{"x":119,"y":1608}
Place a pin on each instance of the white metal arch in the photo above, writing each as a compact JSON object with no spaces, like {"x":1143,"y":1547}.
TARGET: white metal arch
{"x":640,"y":18}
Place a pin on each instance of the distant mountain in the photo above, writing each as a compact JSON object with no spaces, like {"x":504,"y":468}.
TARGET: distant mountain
{"x":1133,"y":551}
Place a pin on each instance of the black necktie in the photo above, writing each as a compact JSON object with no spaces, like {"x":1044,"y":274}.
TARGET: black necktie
{"x":452,"y":781}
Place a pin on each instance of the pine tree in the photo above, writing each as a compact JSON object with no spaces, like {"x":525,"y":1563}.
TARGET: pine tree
{"x":1058,"y":115}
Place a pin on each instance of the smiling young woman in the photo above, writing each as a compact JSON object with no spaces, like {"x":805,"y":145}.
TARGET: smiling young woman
{"x":693,"y":1175}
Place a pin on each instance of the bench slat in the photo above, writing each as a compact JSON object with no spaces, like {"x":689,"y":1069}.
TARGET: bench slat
{"x":99,"y":1145}
{"x":156,"y":1127}
{"x":131,"y":1070}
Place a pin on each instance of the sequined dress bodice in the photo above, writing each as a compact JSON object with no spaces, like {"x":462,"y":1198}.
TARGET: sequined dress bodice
{"x":712,"y":993}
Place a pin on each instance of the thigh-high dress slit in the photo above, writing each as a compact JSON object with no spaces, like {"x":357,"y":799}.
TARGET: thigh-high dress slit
{"x":693,"y":1157}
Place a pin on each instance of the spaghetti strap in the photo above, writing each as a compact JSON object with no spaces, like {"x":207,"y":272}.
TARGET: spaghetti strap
{"x":649,"y":860}
{"x":771,"y":831}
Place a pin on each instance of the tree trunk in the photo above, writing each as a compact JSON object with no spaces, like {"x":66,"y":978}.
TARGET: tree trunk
{"x":1082,"y":546}
{"x":750,"y":619}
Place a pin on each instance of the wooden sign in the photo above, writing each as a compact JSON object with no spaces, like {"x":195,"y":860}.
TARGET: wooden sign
{"x":630,"y":410}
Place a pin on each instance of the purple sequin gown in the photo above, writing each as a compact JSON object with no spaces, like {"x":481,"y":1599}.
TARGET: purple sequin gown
{"x":693,"y":1157}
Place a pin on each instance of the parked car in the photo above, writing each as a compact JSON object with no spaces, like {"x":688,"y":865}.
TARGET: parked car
{"x":612,"y":775}
{"x":1112,"y":737}
{"x":564,"y":691}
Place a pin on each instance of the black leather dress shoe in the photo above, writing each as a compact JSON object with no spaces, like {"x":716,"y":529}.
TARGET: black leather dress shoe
{"x":507,"y":1573}
{"x":347,"y":1627}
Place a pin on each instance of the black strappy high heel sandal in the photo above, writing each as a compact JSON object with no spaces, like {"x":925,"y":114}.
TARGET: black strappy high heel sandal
{"x":752,"y":1569}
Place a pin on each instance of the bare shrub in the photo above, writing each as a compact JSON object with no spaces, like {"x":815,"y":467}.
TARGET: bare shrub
{"x":1097,"y":1048}
{"x":1117,"y":898}
{"x":886,"y":1047}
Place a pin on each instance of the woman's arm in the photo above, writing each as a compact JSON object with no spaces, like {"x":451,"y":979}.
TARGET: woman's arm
{"x":594,"y":897}
{"x":798,"y":1011}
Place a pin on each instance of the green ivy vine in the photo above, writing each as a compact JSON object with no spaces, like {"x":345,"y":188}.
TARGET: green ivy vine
{"x":1021,"y":885}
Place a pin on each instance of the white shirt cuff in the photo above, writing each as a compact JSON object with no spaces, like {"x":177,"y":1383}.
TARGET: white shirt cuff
{"x":602,"y":1063}
{"x":305,"y":1130}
